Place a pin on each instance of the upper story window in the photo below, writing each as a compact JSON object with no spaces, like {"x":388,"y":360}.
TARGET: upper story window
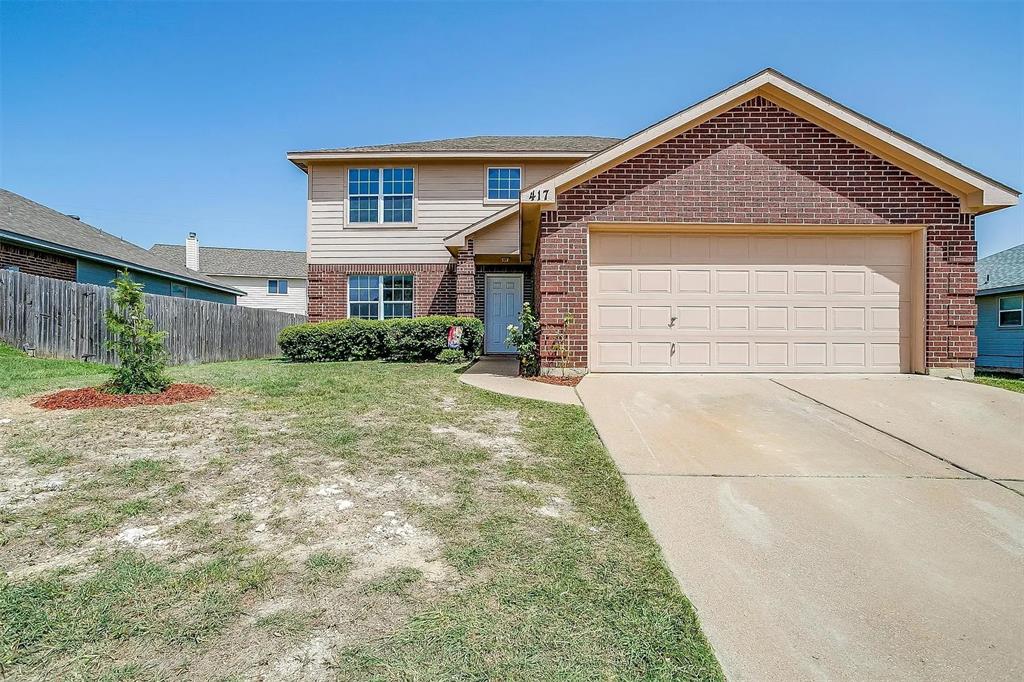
{"x":503,"y":184}
{"x":1011,"y":311}
{"x":380,"y":195}
{"x":277,"y":286}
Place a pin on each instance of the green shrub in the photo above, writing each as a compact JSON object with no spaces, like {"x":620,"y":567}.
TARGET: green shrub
{"x":451,"y":356}
{"x":326,"y":341}
{"x":137,"y":343}
{"x":420,"y":339}
{"x":525,"y":338}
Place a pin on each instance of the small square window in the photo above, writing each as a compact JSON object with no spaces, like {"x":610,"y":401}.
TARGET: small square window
{"x":1011,"y":311}
{"x":179,"y":291}
{"x":277,"y":286}
{"x":504,"y":184}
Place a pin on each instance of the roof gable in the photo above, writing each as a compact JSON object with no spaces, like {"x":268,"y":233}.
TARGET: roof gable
{"x":977,"y":193}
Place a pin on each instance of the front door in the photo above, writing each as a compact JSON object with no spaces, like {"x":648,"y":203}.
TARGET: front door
{"x":503,"y":301}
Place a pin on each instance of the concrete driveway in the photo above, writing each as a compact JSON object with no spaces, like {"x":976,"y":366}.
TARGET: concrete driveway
{"x":853,"y":528}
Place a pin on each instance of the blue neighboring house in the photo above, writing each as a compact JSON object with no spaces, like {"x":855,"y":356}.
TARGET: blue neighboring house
{"x":40,"y":241}
{"x":1001,"y":311}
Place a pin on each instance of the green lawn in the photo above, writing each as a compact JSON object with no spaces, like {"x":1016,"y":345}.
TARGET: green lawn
{"x":1011,"y":382}
{"x":20,"y":374}
{"x":336,"y":521}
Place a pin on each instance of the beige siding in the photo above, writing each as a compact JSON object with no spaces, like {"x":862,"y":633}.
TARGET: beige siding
{"x":256,"y":295}
{"x":501,"y":238}
{"x":449,"y":197}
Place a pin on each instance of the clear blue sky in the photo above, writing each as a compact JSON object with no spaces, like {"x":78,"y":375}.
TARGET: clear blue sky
{"x":153,"y":119}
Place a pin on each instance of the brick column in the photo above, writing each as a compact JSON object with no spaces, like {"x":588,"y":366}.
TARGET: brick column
{"x":465,"y":282}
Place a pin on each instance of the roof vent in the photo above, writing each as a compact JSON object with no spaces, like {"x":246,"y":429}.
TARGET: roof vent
{"x":73,"y":216}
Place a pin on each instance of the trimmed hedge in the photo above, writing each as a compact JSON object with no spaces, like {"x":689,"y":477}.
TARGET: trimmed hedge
{"x":418,"y":339}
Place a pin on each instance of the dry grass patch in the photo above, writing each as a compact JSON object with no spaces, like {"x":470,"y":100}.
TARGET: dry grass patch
{"x":334,"y":522}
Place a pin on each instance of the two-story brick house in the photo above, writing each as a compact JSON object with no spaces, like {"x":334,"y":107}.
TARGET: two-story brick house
{"x":764,"y":229}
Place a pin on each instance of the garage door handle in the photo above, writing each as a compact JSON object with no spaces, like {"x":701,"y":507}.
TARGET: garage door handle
{"x":672,"y":350}
{"x":672,"y":322}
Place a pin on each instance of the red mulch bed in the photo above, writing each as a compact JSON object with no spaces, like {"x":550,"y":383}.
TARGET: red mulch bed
{"x":93,"y":397}
{"x":559,"y":381}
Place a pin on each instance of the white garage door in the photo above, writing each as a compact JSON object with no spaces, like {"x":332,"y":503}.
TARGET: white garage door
{"x":750,"y":303}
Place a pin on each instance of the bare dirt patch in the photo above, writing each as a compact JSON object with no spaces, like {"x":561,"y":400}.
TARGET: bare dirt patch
{"x":92,"y":398}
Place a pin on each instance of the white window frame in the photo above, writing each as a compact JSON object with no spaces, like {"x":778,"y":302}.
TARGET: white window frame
{"x":278,"y":292}
{"x":1000,"y":311}
{"x":380,"y":295}
{"x":380,"y":196}
{"x":487,"y":172}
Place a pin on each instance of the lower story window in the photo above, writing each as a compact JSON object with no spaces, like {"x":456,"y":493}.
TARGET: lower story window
{"x":179,"y":291}
{"x":379,"y":297}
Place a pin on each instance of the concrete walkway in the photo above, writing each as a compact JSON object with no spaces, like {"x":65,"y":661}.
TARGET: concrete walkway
{"x":501,"y":375}
{"x":833,"y":528}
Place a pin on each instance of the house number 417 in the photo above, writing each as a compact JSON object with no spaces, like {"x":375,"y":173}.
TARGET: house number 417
{"x":538,"y":195}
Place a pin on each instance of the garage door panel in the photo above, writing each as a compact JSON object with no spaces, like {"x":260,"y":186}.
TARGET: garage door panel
{"x":732,"y":281}
{"x":654,"y":354}
{"x":739,"y":303}
{"x":771,"y":354}
{"x":690,"y":281}
{"x":770,"y":249}
{"x":614,"y":281}
{"x":653,"y":281}
{"x":654,"y":317}
{"x":691,"y":248}
{"x":771,"y":318}
{"x":771,"y":282}
{"x":614,"y":317}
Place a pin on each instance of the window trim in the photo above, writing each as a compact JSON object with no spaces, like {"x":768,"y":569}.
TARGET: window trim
{"x":1000,"y":311}
{"x":500,"y":202}
{"x":380,"y":294}
{"x":278,"y":292}
{"x":380,"y":224}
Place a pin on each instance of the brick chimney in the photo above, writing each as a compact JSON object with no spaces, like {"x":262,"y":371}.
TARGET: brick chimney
{"x":192,"y":252}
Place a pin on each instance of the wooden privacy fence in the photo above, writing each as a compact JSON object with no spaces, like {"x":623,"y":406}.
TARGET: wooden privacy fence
{"x":66,"y":320}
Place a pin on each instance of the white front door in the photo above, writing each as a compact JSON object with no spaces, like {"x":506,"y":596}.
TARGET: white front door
{"x":503,"y":301}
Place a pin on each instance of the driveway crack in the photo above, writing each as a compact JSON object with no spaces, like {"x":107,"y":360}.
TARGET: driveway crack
{"x":895,"y":437}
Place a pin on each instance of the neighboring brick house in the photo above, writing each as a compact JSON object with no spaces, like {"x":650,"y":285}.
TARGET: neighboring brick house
{"x":40,"y":241}
{"x":270,"y":278}
{"x":765,"y":229}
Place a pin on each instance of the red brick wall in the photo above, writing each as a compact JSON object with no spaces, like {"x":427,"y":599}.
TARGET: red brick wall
{"x":759,"y":163}
{"x":38,"y":263}
{"x":433,"y":288}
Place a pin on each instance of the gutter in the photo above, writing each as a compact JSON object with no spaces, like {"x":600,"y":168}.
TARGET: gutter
{"x":1000,"y":290}
{"x":78,"y":253}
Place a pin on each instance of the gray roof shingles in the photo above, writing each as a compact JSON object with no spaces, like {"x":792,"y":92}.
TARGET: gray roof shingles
{"x":490,"y":143}
{"x":215,"y":260}
{"x":1002,"y":270}
{"x":22,"y":217}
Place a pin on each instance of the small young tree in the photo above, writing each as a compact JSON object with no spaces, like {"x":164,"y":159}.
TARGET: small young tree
{"x":525,"y":338}
{"x":137,"y":343}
